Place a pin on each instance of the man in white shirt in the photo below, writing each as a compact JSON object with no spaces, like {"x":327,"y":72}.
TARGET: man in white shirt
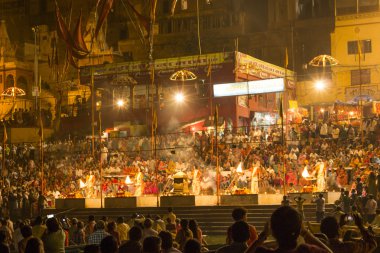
{"x":335,"y":134}
{"x":324,"y":131}
{"x":370,"y":208}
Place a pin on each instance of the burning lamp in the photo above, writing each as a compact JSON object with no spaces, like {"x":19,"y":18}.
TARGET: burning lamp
{"x":128,"y":180}
{"x":305,"y":173}
{"x":239,"y":168}
{"x":81,"y":184}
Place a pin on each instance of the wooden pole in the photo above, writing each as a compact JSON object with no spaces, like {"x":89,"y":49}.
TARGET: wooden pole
{"x":283,"y":142}
{"x":92,"y":113}
{"x":216,"y":118}
{"x":100,"y":162}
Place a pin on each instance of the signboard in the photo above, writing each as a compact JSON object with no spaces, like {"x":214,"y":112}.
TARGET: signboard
{"x":248,"y":65}
{"x":370,"y":91}
{"x":220,"y":65}
{"x":249,"y":88}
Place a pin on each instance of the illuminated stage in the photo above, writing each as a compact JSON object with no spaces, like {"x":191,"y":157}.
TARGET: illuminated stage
{"x":188,"y":200}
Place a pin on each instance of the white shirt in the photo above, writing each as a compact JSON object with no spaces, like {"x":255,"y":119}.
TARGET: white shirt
{"x":335,"y":133}
{"x":371,"y":206}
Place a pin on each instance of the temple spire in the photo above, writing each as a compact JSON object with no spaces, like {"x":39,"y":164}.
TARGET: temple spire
{"x":7,"y":52}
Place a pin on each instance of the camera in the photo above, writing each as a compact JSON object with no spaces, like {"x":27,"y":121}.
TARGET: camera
{"x":349,"y":218}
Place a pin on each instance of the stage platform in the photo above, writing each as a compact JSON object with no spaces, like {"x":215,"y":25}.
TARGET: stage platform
{"x":190,"y":200}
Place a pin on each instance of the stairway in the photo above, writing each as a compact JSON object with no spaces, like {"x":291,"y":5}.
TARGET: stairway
{"x":213,"y":220}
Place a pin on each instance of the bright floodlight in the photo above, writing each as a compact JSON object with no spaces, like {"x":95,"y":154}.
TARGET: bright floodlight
{"x":320,"y":85}
{"x":120,"y":102}
{"x":179,"y":97}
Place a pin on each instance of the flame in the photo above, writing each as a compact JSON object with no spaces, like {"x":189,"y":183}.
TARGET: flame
{"x":239,"y":169}
{"x":128,"y":180}
{"x":305,"y":173}
{"x":81,"y":184}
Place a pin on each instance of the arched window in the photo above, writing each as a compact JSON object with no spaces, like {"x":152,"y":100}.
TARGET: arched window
{"x":22,"y":83}
{"x":9,"y":82}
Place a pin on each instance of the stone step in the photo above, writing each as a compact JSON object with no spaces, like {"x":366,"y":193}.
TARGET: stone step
{"x":213,"y":220}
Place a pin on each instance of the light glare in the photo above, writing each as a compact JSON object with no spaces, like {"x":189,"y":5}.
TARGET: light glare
{"x":320,"y":85}
{"x":179,"y":97}
{"x":120,"y":102}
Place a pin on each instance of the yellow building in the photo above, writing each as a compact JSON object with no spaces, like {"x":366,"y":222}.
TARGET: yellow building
{"x":355,"y":44}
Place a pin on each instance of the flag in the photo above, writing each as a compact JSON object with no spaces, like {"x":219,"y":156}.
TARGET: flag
{"x":145,"y":22}
{"x":209,"y":69}
{"x":41,"y":129}
{"x":359,"y":49}
{"x":70,"y":59}
{"x":79,"y":42}
{"x":152,"y":21}
{"x":173,"y":5}
{"x":105,"y":9}
{"x":5,"y":136}
{"x":286,"y":58}
{"x":216,"y":115}
{"x":154,"y":121}
{"x":62,"y":30}
{"x":153,"y":10}
{"x":65,"y":35}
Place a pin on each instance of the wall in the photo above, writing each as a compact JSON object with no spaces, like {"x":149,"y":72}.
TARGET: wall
{"x":20,"y":135}
{"x":354,"y":28}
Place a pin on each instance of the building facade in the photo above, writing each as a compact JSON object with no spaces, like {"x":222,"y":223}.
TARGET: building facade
{"x":355,"y":45}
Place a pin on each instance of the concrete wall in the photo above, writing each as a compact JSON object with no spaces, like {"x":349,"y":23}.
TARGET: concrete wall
{"x":19,"y":135}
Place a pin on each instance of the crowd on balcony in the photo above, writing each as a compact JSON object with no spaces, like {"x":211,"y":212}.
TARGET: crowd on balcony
{"x":28,"y":118}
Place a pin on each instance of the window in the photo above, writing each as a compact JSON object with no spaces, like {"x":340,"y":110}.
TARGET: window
{"x":124,"y":33}
{"x":360,"y":76}
{"x":166,"y":7}
{"x":365,"y":46}
{"x":9,"y":82}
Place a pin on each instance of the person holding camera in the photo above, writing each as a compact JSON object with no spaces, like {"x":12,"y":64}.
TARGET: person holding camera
{"x":330,"y":227}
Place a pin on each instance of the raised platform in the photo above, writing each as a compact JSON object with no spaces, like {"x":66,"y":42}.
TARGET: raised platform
{"x":175,"y":201}
{"x":246,"y":199}
{"x":183,"y":201}
{"x":70,"y":203}
{"x":120,"y":202}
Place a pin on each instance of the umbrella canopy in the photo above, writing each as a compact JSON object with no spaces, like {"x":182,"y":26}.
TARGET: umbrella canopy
{"x":323,"y":61}
{"x":123,"y":79}
{"x":183,"y":75}
{"x":13,"y":92}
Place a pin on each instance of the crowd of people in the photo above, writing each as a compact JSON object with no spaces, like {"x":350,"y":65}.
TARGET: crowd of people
{"x":28,"y":118}
{"x":314,"y":157}
{"x":250,"y":161}
{"x":285,"y":232}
